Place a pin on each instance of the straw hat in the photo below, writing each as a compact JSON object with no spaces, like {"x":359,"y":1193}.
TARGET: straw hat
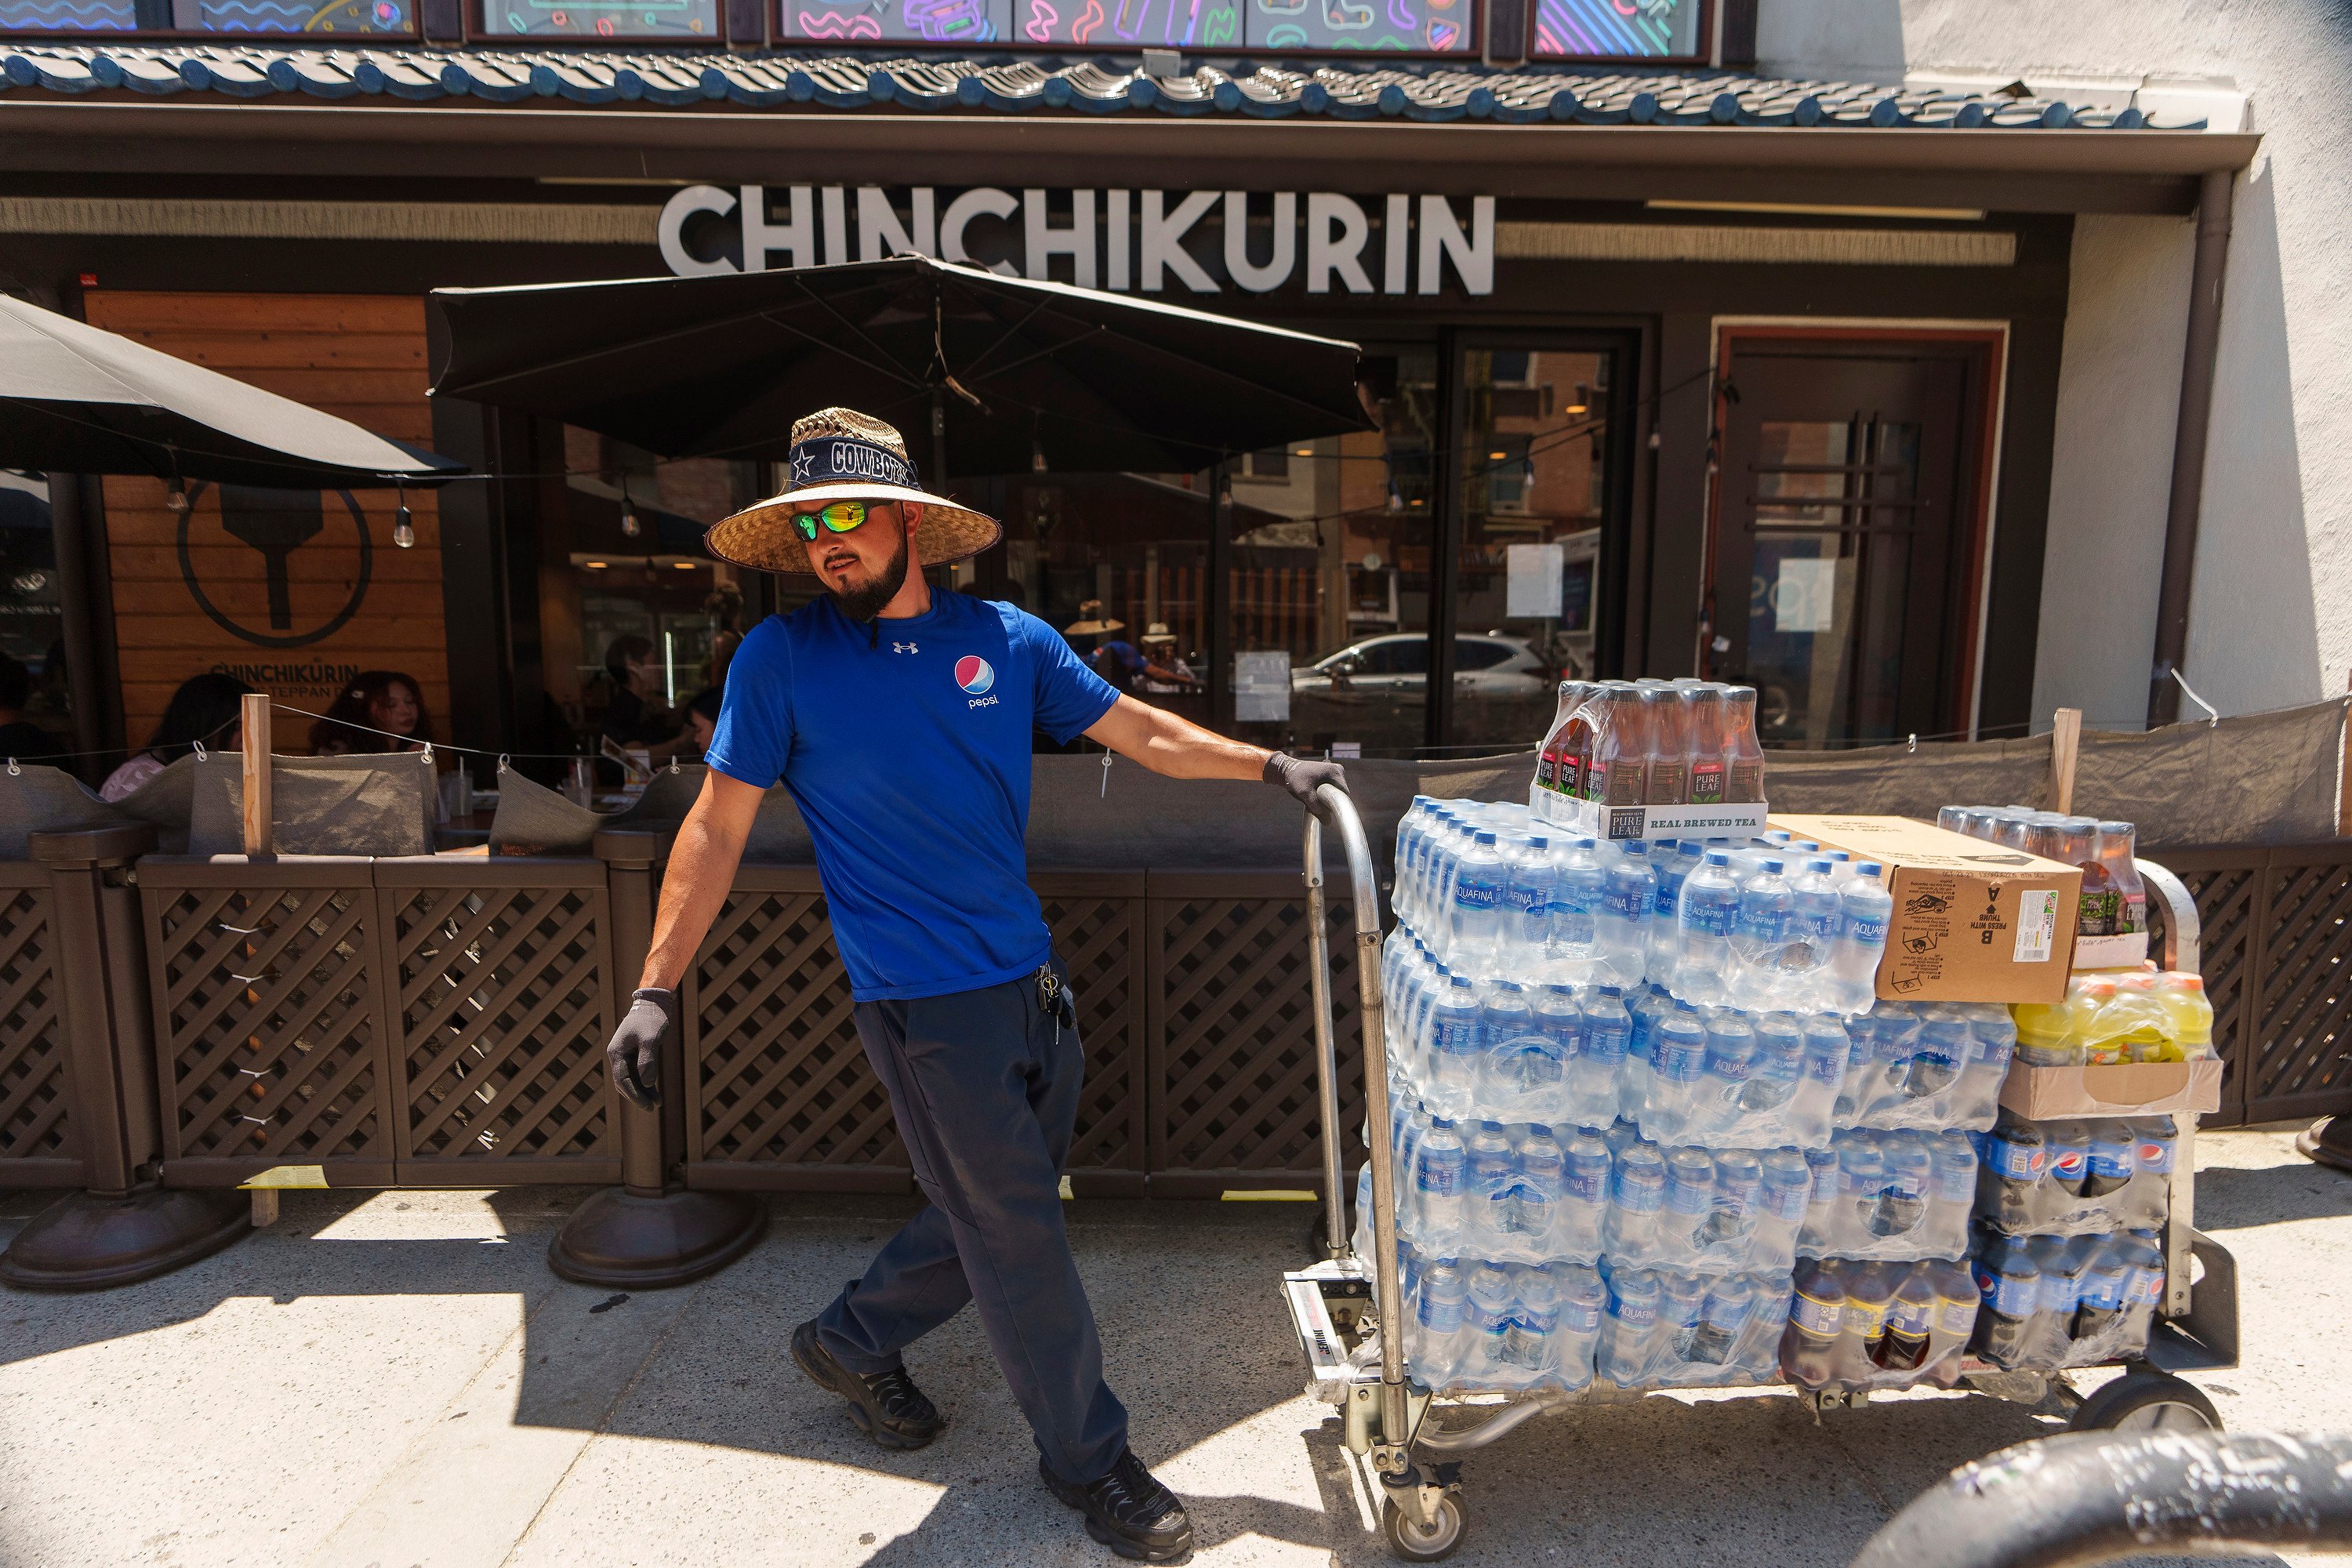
{"x":1158,"y":632}
{"x":839,"y":454}
{"x":1090,"y":622}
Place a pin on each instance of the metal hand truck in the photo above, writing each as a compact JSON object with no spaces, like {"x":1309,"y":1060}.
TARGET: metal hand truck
{"x":1342,"y":1306}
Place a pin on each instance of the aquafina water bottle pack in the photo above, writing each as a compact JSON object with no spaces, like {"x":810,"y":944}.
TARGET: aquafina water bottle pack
{"x":1890,"y":1197}
{"x":1665,"y":1328}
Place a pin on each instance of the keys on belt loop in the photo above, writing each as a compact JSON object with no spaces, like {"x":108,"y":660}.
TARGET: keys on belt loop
{"x":1054,"y":1001}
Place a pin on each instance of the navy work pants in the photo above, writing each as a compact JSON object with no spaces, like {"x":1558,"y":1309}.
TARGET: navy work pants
{"x":985,"y":1086}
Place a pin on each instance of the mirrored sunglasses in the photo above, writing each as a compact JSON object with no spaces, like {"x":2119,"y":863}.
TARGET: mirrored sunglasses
{"x":838,"y":517}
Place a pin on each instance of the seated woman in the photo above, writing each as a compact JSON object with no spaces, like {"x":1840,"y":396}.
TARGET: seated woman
{"x":381,"y":710}
{"x":204,"y":712}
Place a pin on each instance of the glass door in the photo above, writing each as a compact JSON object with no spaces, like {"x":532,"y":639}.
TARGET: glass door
{"x":1535,"y":491}
{"x":1845,"y":510}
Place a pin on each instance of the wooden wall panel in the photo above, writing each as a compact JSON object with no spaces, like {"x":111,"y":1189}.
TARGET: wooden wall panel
{"x":360,"y":356}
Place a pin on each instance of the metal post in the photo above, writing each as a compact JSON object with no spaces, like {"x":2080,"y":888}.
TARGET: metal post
{"x":652,"y":1230}
{"x":1326,"y":1065}
{"x":126,"y":1227}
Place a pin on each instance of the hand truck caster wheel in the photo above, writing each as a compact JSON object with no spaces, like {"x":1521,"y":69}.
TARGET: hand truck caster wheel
{"x":1411,"y":1542}
{"x":2144,"y":1400}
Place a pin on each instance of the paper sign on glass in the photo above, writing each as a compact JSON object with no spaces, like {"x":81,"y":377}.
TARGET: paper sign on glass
{"x":1262,"y":687}
{"x":1805,"y":598}
{"x":1534,"y":581}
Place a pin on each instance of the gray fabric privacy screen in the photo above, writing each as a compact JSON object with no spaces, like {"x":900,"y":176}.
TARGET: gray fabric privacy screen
{"x":320,"y":805}
{"x":1895,"y":781}
{"x":42,"y":799}
{"x":532,"y":819}
{"x":2267,"y":778}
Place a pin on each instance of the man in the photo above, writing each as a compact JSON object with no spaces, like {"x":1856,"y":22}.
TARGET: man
{"x":900,"y":719}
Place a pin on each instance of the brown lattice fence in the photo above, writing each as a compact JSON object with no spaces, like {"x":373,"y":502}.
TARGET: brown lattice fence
{"x":504,"y":974}
{"x":2277,"y":959}
{"x":40,"y":1144}
{"x":426,"y":1021}
{"x":1231,"y":1057}
{"x":779,"y":1092}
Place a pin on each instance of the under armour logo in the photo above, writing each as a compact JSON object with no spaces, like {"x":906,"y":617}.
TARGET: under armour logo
{"x":903,"y":647}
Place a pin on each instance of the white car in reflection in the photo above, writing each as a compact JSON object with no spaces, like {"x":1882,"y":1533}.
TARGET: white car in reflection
{"x":1485,"y":665}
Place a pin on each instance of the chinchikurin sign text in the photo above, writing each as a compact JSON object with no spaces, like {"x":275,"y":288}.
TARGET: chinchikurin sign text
{"x":1124,"y":240}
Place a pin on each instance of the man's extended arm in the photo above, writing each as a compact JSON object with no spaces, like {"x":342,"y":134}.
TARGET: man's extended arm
{"x":1182,"y":749}
{"x":701,"y":869}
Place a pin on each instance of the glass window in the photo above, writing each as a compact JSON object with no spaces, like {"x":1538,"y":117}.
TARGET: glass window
{"x":601,"y":18}
{"x":1535,"y":429}
{"x":1329,"y":585}
{"x":32,"y":630}
{"x":634,"y":620}
{"x":1116,"y":563}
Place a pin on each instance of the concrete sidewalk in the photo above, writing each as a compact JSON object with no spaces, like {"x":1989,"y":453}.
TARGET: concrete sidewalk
{"x":396,"y":1379}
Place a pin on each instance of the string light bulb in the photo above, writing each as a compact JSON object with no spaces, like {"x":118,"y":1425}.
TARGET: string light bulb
{"x":403,"y":527}
{"x":1036,"y":457}
{"x":630,"y":526}
{"x":176,"y":498}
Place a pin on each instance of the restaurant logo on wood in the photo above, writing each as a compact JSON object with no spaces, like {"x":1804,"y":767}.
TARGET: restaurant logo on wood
{"x":275,"y":525}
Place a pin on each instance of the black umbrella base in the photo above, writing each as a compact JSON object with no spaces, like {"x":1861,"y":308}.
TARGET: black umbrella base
{"x":88,"y":1243}
{"x":2328,"y":1141}
{"x":644,"y":1244}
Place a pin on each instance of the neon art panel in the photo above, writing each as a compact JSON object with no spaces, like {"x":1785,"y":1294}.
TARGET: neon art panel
{"x":601,"y":18}
{"x":1617,"y":28}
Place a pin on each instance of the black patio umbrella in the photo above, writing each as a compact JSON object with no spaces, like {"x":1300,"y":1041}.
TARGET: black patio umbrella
{"x":80,"y":400}
{"x":1023,"y":373}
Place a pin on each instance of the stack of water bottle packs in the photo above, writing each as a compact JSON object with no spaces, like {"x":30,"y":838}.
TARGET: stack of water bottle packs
{"x":2067,"y":1253}
{"x":1588,"y":1187}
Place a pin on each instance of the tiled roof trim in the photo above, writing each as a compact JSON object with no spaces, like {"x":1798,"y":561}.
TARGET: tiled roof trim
{"x":1437,"y":92}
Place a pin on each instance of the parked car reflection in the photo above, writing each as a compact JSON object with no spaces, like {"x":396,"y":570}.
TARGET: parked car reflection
{"x":1483,"y":666}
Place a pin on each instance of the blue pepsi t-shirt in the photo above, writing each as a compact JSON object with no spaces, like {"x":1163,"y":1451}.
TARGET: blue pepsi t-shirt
{"x":906,"y":745}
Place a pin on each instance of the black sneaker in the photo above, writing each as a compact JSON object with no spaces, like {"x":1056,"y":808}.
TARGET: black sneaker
{"x":1127,"y":1511}
{"x":886,"y":1406}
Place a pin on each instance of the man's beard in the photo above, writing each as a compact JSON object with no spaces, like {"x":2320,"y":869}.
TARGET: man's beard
{"x":864,"y":604}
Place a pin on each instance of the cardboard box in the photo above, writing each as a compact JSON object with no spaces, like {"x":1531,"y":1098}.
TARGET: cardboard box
{"x":1590,"y":819}
{"x":2123,"y":1089}
{"x":1973,"y":921}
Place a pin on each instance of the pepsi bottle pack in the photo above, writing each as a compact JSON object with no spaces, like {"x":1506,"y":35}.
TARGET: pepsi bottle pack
{"x":1890,"y":1197}
{"x":2081,"y":1177}
{"x":1855,"y":1325}
{"x":1665,"y":1327}
{"x":1925,"y":1067}
{"x":2055,"y":1301}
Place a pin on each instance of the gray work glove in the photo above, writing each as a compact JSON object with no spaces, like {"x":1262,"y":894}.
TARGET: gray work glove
{"x":1301,"y":777}
{"x":634,"y":1056}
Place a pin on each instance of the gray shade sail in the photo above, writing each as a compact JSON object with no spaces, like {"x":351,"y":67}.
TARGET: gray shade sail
{"x":721,"y":365}
{"x":76,"y":399}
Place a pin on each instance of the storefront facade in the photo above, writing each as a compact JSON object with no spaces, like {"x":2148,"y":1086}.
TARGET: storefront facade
{"x":1669,"y":373}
